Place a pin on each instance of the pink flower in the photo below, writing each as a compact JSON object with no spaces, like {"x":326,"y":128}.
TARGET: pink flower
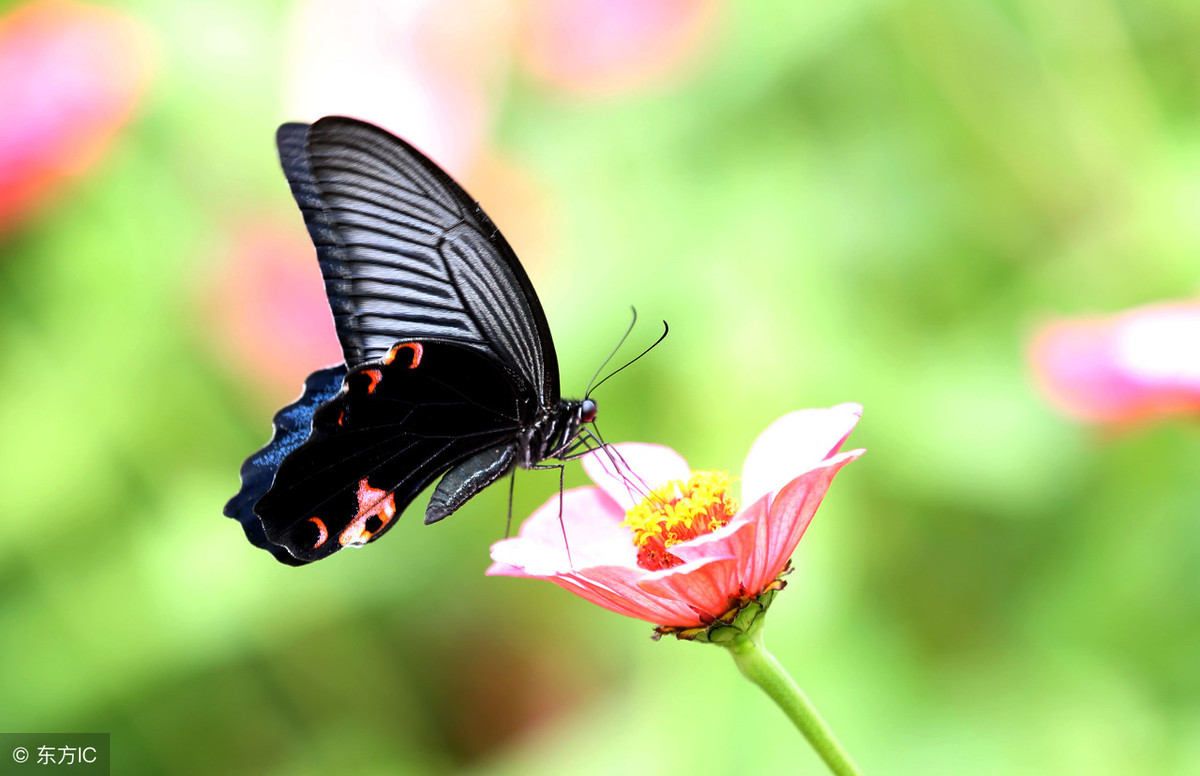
{"x":432,"y":71}
{"x":605,"y":47}
{"x":1141,"y":363}
{"x":267,"y":309}
{"x":669,"y":546}
{"x":70,"y":76}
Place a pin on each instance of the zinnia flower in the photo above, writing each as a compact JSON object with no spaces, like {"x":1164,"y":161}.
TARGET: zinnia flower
{"x":1141,"y":363}
{"x":661,"y":543}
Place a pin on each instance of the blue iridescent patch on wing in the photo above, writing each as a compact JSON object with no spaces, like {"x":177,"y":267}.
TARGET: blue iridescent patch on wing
{"x":293,"y":426}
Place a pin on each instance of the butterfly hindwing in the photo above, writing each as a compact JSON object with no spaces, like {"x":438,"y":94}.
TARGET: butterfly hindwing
{"x":397,"y":424}
{"x":407,"y":254}
{"x":293,"y":425}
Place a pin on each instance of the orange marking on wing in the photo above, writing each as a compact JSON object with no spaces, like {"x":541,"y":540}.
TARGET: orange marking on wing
{"x":320,"y":527}
{"x":375,"y":376}
{"x":342,"y":416}
{"x":372,"y":502}
{"x":415,"y":347}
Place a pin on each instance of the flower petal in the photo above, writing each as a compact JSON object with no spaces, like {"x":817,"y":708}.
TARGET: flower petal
{"x":707,"y":588}
{"x":617,"y":588}
{"x":591,"y":522}
{"x":731,"y":541}
{"x":720,"y":581}
{"x":794,"y":443}
{"x":781,"y":525}
{"x":628,"y":471}
{"x":1138,"y":364}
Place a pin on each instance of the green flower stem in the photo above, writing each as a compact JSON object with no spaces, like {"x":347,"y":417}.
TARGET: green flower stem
{"x":760,"y":666}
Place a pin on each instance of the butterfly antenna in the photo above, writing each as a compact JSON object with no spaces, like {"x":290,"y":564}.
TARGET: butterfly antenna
{"x":666,"y":330}
{"x":624,"y":337}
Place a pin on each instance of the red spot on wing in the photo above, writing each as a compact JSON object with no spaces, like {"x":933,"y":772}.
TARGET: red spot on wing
{"x":375,"y":376}
{"x":324,"y":532}
{"x":415,"y":347}
{"x":372,"y":502}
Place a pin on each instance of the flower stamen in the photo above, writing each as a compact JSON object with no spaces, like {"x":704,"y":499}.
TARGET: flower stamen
{"x":676,"y":512}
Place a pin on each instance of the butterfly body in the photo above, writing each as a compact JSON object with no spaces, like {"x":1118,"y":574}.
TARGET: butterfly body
{"x":449,"y":366}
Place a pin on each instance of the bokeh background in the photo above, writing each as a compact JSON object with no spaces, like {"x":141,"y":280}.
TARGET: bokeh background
{"x":863,"y":201}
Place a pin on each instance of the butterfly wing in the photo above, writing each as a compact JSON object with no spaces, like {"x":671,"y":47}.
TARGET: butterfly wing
{"x":375,"y":444}
{"x":293,"y":426}
{"x":408,"y":255}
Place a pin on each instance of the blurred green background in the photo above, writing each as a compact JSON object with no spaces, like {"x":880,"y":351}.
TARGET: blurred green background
{"x":862,"y":201}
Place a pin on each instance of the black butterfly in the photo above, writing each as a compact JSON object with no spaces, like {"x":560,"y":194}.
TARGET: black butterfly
{"x":449,"y":368}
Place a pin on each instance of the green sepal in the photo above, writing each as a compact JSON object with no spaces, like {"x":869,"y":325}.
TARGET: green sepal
{"x":744,"y":617}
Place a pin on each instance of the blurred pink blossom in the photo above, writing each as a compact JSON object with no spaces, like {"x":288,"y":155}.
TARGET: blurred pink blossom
{"x":431,"y":71}
{"x":519,"y":206}
{"x":1141,"y":363}
{"x":269,"y":310}
{"x":605,"y":47}
{"x":704,"y":555}
{"x":70,"y":76}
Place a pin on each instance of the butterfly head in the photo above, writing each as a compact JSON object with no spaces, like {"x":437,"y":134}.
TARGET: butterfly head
{"x":587,"y":410}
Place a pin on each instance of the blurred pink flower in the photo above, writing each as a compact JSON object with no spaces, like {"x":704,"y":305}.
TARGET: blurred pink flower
{"x":70,"y":76}
{"x":689,"y":555}
{"x":1141,"y":363}
{"x":432,"y":71}
{"x":518,"y":204}
{"x":605,"y":47}
{"x":269,"y":310}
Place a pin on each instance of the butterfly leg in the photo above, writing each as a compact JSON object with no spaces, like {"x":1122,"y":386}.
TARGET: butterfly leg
{"x":512,"y":484}
{"x":563,"y":526}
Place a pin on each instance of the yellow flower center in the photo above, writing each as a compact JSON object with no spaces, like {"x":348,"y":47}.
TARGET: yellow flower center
{"x":677,"y":512}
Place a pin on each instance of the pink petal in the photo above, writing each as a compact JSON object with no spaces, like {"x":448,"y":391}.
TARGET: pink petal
{"x":1140,"y":363}
{"x":710,"y":577}
{"x":591,"y":522}
{"x":706,"y":588}
{"x":782,"y":524}
{"x":629,"y":471}
{"x":617,"y":588}
{"x":793,"y":444}
{"x":731,"y":541}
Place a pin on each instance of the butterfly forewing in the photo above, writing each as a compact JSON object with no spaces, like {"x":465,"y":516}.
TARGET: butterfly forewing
{"x":407,"y":254}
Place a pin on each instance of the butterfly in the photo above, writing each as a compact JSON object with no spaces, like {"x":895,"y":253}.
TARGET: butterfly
{"x":449,"y":368}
